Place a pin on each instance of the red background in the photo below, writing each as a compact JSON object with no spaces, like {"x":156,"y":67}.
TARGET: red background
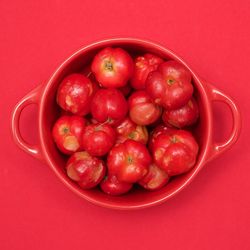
{"x":38,"y":212}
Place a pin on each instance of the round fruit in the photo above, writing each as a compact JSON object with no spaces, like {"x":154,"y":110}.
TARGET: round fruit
{"x":127,"y":129}
{"x":67,"y":133}
{"x":98,"y":139}
{"x":170,"y":85}
{"x":129,"y":161}
{"x":155,"y":179}
{"x":112,"y":67}
{"x":75,"y":93}
{"x":86,"y":170}
{"x":109,"y":105}
{"x":182,"y":117}
{"x":142,"y":110}
{"x":112,"y":186}
{"x":175,"y":151}
{"x":143,"y":66}
{"x":160,"y":129}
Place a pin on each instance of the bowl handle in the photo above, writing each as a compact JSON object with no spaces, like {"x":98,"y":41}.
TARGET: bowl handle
{"x":31,"y":98}
{"x":218,"y":148}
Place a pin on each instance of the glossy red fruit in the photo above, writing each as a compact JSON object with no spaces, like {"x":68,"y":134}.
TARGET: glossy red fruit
{"x":170,"y":85}
{"x":175,"y":151}
{"x":129,"y":161}
{"x":86,"y":170}
{"x":75,"y":93}
{"x":98,"y":139}
{"x":127,"y":129}
{"x":142,"y":110}
{"x":182,"y":117}
{"x":155,"y":179}
{"x":112,"y":67}
{"x":109,"y":105}
{"x":112,"y":186}
{"x":67,"y":133}
{"x":160,"y":129}
{"x":143,"y":66}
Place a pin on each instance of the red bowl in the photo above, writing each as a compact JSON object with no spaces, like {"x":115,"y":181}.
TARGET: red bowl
{"x":48,"y":111}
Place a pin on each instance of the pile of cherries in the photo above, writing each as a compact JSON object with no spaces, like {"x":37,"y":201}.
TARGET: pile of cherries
{"x":122,"y":122}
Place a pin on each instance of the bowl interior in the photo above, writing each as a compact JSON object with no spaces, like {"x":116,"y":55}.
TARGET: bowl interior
{"x":50,"y":111}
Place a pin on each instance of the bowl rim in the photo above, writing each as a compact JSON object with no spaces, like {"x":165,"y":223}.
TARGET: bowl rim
{"x":109,"y":42}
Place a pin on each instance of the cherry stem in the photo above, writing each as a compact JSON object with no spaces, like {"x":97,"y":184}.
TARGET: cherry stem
{"x":66,"y":130}
{"x":130,"y":159}
{"x":108,"y":66}
{"x":174,"y":139}
{"x":170,"y":81}
{"x":89,"y":74}
{"x":104,"y":123}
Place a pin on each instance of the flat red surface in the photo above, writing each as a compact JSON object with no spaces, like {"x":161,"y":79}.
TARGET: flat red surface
{"x":38,"y":212}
